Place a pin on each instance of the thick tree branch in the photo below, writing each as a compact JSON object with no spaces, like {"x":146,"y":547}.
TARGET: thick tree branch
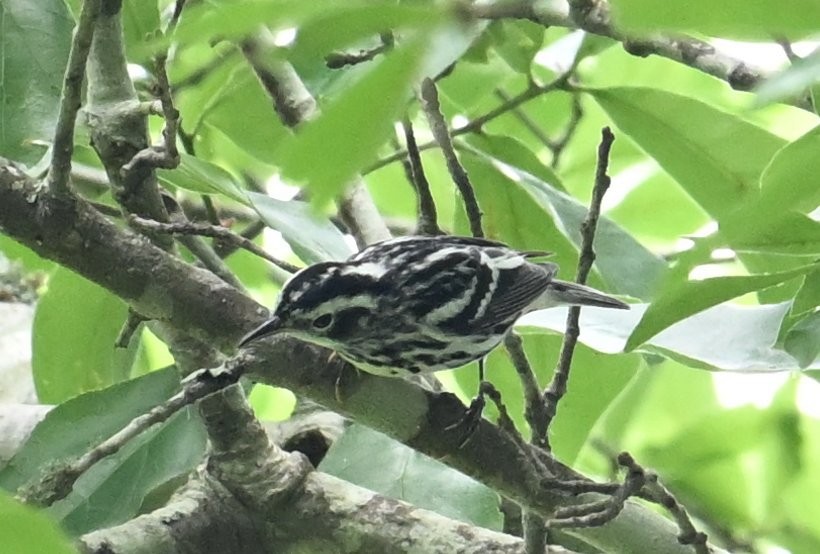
{"x":293,"y":507}
{"x":63,"y":146}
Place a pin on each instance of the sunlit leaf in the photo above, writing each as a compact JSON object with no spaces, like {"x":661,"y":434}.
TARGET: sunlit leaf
{"x":313,"y":237}
{"x":715,"y":156}
{"x":75,"y":327}
{"x":692,"y":297}
{"x":728,"y":18}
{"x":329,"y":150}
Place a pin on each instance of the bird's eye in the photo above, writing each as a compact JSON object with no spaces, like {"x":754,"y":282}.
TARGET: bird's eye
{"x":322,"y":321}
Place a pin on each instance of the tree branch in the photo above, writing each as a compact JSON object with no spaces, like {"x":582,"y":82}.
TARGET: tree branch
{"x":195,"y":302}
{"x":425,"y":205}
{"x":532,"y":91}
{"x":558,"y":386}
{"x":595,"y":19}
{"x":438,"y":126}
{"x":63,"y":146}
{"x":294,"y":104}
{"x":213,"y":231}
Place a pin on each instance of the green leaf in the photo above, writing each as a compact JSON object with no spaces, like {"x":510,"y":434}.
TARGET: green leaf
{"x":692,"y":297}
{"x":786,"y":233}
{"x":227,"y":99}
{"x":374,"y":461}
{"x":625,"y":265}
{"x":24,"y":530}
{"x":29,"y":259}
{"x":197,"y":175}
{"x":789,"y":182}
{"x":75,"y":326}
{"x":345,"y":25}
{"x":35,"y":38}
{"x":311,"y":236}
{"x":513,"y":152}
{"x":329,"y":150}
{"x":793,"y":81}
{"x":727,"y":337}
{"x":112,"y":492}
{"x":728,"y":18}
{"x":232,"y":20}
{"x":517,"y":42}
{"x":715,"y":156}
{"x":78,"y":424}
{"x":140,"y":20}
{"x":803,"y":340}
{"x":808,"y":297}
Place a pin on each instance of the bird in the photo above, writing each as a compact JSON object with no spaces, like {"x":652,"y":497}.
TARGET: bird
{"x":419,"y":304}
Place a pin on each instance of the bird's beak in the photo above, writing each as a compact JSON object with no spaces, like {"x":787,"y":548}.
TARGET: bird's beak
{"x":270,"y":327}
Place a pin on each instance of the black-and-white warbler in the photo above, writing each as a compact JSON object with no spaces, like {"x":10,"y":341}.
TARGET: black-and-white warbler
{"x":420,"y":304}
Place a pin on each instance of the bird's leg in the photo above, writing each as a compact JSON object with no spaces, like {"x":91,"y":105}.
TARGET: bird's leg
{"x":472,"y":416}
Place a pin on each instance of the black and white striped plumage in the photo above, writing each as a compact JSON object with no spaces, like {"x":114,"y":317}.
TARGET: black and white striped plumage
{"x":419,"y":304}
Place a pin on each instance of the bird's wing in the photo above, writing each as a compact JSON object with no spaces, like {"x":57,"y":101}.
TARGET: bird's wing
{"x":515,"y":288}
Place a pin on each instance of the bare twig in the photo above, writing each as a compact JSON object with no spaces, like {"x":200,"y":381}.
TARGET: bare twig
{"x":57,"y":484}
{"x":475,"y":125}
{"x":525,"y":119}
{"x":438,"y":126}
{"x":534,"y":404}
{"x":167,"y":155}
{"x":212,"y":231}
{"x":426,"y":206}
{"x":599,"y":512}
{"x":337,"y":60}
{"x":561,"y":142}
{"x":535,"y":529}
{"x":655,"y":491}
{"x":70,"y":97}
{"x":558,"y":386}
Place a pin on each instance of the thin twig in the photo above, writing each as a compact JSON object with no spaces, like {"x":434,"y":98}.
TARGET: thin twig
{"x":525,"y":120}
{"x":337,"y":60}
{"x":688,"y":532}
{"x":212,"y":231}
{"x":426,"y":206}
{"x":534,"y":404}
{"x":599,"y":512}
{"x":558,"y":386}
{"x":57,"y":484}
{"x":70,"y":98}
{"x":558,"y":146}
{"x":438,"y":126}
{"x":535,"y":529}
{"x":475,"y":125}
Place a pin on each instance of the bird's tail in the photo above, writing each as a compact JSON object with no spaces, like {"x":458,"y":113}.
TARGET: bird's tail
{"x":563,"y":293}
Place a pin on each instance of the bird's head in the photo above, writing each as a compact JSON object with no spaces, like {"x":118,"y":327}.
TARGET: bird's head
{"x":324,"y":303}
